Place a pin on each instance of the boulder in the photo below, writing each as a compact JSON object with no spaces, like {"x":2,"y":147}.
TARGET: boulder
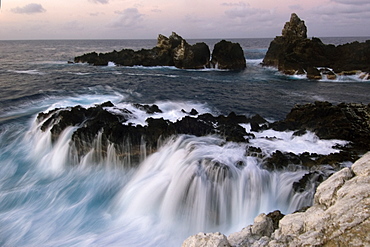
{"x":228,"y":55}
{"x":293,"y":53}
{"x":206,"y":240}
{"x":340,"y":214}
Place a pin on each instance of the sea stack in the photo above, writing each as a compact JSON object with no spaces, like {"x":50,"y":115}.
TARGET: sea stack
{"x":173,"y":51}
{"x":293,"y":53}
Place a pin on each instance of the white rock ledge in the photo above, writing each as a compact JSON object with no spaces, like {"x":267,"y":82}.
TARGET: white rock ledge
{"x":340,"y":216}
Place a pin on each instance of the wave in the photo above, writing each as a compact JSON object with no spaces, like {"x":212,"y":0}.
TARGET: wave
{"x":30,"y":72}
{"x":254,"y":61}
{"x":354,"y":77}
{"x":189,"y":184}
{"x":270,"y":141}
{"x":171,"y":110}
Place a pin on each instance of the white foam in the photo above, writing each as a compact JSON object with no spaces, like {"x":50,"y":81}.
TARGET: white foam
{"x":254,"y":61}
{"x":171,"y":111}
{"x":30,"y":72}
{"x":285,"y":141}
{"x":111,"y":64}
{"x":86,"y":100}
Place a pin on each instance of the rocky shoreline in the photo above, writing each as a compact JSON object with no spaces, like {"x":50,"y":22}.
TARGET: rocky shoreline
{"x":350,"y":122}
{"x":340,"y":216}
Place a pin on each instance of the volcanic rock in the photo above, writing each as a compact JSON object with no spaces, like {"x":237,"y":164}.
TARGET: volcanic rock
{"x":113,"y":129}
{"x":293,"y":53}
{"x":195,"y":56}
{"x":173,"y":51}
{"x":295,"y":28}
{"x":228,"y":55}
{"x":349,"y":122}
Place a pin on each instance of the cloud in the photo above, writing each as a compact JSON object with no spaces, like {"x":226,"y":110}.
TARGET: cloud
{"x":341,"y":9}
{"x":295,"y":7}
{"x":128,"y":18}
{"x":73,"y":25}
{"x":32,"y":8}
{"x":243,"y":10}
{"x":96,"y":14}
{"x":191,"y":18}
{"x":99,"y":1}
{"x":235,"y":4}
{"x":352,"y":2}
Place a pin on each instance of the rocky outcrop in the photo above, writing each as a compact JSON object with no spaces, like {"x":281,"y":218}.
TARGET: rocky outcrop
{"x":207,"y":239}
{"x":173,"y":51}
{"x":228,"y":55}
{"x":113,"y":127}
{"x":187,"y":56}
{"x":340,"y":216}
{"x":293,"y":53}
{"x":349,"y":122}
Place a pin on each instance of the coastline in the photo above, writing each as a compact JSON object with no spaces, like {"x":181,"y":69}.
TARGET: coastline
{"x":339,"y":216}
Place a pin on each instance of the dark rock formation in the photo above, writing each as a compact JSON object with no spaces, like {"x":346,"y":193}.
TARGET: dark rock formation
{"x":349,"y":122}
{"x":172,"y":51}
{"x":228,"y":55}
{"x":113,"y":128}
{"x":187,"y":56}
{"x":292,"y":53}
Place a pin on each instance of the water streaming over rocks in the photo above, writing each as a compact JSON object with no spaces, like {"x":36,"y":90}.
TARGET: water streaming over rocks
{"x":53,"y":195}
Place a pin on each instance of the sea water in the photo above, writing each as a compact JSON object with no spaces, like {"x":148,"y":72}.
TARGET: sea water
{"x":190,"y":184}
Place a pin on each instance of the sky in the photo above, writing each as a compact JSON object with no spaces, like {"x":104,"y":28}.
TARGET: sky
{"x":192,"y":19}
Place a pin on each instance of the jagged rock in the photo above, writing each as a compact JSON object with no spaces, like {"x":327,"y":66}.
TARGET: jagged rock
{"x":228,"y":55}
{"x":150,"y":109}
{"x":172,"y":51}
{"x":349,"y":122}
{"x":292,"y":53}
{"x":259,"y":233}
{"x":191,"y":56}
{"x":295,"y":28}
{"x":206,"y":240}
{"x":113,"y":129}
{"x":339,"y":216}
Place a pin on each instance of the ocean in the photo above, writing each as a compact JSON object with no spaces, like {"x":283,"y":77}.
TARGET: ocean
{"x":47,"y":199}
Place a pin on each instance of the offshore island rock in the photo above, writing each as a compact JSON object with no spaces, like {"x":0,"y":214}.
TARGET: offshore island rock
{"x":293,"y":53}
{"x":173,"y":51}
{"x":228,"y":55}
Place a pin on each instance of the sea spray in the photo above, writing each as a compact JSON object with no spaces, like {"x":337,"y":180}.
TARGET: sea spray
{"x":206,"y":184}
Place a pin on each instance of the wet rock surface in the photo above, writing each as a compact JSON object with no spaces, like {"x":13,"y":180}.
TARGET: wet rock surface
{"x":113,"y":128}
{"x":350,"y":122}
{"x":340,"y":216}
